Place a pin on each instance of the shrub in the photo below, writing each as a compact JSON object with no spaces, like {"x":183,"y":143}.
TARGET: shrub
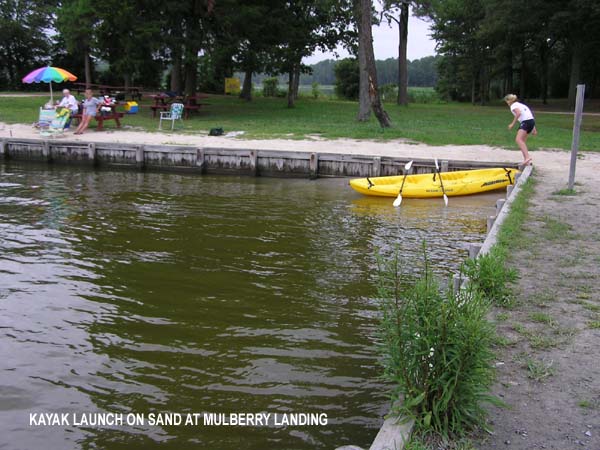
{"x":347,"y":78}
{"x":488,"y":273}
{"x":436,"y":350}
{"x":423,"y":95}
{"x":315,"y":90}
{"x":270,"y":87}
{"x":388,"y":92}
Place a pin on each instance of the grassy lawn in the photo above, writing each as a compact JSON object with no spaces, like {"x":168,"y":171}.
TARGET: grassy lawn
{"x":435,"y":124}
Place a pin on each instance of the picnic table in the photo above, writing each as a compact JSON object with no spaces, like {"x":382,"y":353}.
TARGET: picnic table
{"x":101,"y":117}
{"x":162,"y":102}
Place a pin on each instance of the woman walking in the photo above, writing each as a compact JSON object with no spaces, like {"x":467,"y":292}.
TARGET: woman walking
{"x":527,"y":124}
{"x":90,"y":108}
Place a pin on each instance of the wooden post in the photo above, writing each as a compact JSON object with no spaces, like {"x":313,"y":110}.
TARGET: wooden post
{"x":46,"y":151}
{"x":313,"y":166}
{"x":200,"y":161}
{"x":4,"y":149}
{"x":490,"y":223}
{"x":499,"y":205}
{"x":576,"y":128}
{"x":139,"y":156}
{"x":474,"y":250}
{"x":376,"y":172}
{"x":254,"y":162}
{"x":456,"y":280}
{"x":92,"y":154}
{"x":444,"y":166}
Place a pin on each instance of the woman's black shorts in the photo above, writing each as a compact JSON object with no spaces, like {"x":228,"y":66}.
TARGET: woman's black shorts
{"x":527,"y":125}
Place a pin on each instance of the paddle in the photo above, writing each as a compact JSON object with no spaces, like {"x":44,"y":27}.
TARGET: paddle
{"x":437,"y":168}
{"x":399,"y":198}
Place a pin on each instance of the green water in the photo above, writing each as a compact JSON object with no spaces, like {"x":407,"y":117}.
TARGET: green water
{"x":146,"y":292}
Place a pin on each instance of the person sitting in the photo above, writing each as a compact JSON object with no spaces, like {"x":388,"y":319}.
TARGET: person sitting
{"x":68,"y":102}
{"x":90,"y":109}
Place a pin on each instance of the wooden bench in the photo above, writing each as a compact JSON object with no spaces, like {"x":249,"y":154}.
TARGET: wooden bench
{"x":100,"y":119}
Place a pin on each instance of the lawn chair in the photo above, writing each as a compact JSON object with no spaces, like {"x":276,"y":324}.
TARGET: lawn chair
{"x":175,"y":113}
{"x":45,"y":119}
{"x":57,"y":124}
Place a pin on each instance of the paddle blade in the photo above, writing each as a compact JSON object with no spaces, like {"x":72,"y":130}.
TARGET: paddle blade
{"x":445,"y":199}
{"x":407,"y":166}
{"x":436,"y":164}
{"x":398,"y":201}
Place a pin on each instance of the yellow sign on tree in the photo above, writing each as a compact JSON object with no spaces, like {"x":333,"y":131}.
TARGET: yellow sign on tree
{"x":232,"y":86}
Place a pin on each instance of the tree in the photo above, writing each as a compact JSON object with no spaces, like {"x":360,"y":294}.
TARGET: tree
{"x":24,"y":45}
{"x":391,"y":7}
{"x":76,"y":21}
{"x":367,"y":67}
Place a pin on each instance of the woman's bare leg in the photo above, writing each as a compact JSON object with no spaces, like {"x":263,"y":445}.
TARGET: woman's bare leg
{"x":521,"y":141}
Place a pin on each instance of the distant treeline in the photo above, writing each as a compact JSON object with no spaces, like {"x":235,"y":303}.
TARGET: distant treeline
{"x":421,"y":73}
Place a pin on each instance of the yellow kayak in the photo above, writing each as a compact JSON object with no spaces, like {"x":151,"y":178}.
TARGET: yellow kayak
{"x":463,"y":182}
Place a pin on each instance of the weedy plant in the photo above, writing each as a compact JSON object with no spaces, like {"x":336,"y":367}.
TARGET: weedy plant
{"x":489,"y":274}
{"x":436,"y":347}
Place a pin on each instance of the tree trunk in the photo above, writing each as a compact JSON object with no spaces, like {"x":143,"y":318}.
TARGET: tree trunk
{"x":402,"y":61}
{"x":290,"y":96}
{"x":87,"y":69}
{"x":473,"y":82}
{"x":126,"y":81}
{"x":176,"y":73}
{"x":364,"y":101}
{"x":191,"y":72}
{"x":365,"y":38}
{"x":296,"y":80}
{"x":246,"y":93}
{"x":482,"y":86}
{"x":575,"y":78}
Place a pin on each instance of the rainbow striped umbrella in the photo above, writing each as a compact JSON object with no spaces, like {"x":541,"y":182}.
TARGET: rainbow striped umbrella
{"x":48,"y":75}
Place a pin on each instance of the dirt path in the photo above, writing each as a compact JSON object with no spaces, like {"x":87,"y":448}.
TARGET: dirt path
{"x":549,"y":344}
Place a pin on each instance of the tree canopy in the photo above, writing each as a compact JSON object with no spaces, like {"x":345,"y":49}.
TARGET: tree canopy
{"x":486,"y":48}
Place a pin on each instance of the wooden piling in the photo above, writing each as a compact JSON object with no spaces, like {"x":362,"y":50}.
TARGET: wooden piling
{"x":46,"y":153}
{"x":499,"y":204}
{"x":474,"y":250}
{"x":254,"y":162}
{"x":490,"y":223}
{"x":92,"y":153}
{"x":376,"y":171}
{"x":139,"y":156}
{"x":313,"y":166}
{"x":201,"y":160}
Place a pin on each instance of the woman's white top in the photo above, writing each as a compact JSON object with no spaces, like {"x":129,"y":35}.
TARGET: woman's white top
{"x":526,"y":113}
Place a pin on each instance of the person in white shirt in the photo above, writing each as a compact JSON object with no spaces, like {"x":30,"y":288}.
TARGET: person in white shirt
{"x":69,"y":102}
{"x":523,"y":114}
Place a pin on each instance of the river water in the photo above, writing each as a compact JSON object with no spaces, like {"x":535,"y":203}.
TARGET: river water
{"x":143,"y":293}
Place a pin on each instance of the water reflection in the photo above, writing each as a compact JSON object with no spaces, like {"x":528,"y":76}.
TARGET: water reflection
{"x":149,"y":292}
